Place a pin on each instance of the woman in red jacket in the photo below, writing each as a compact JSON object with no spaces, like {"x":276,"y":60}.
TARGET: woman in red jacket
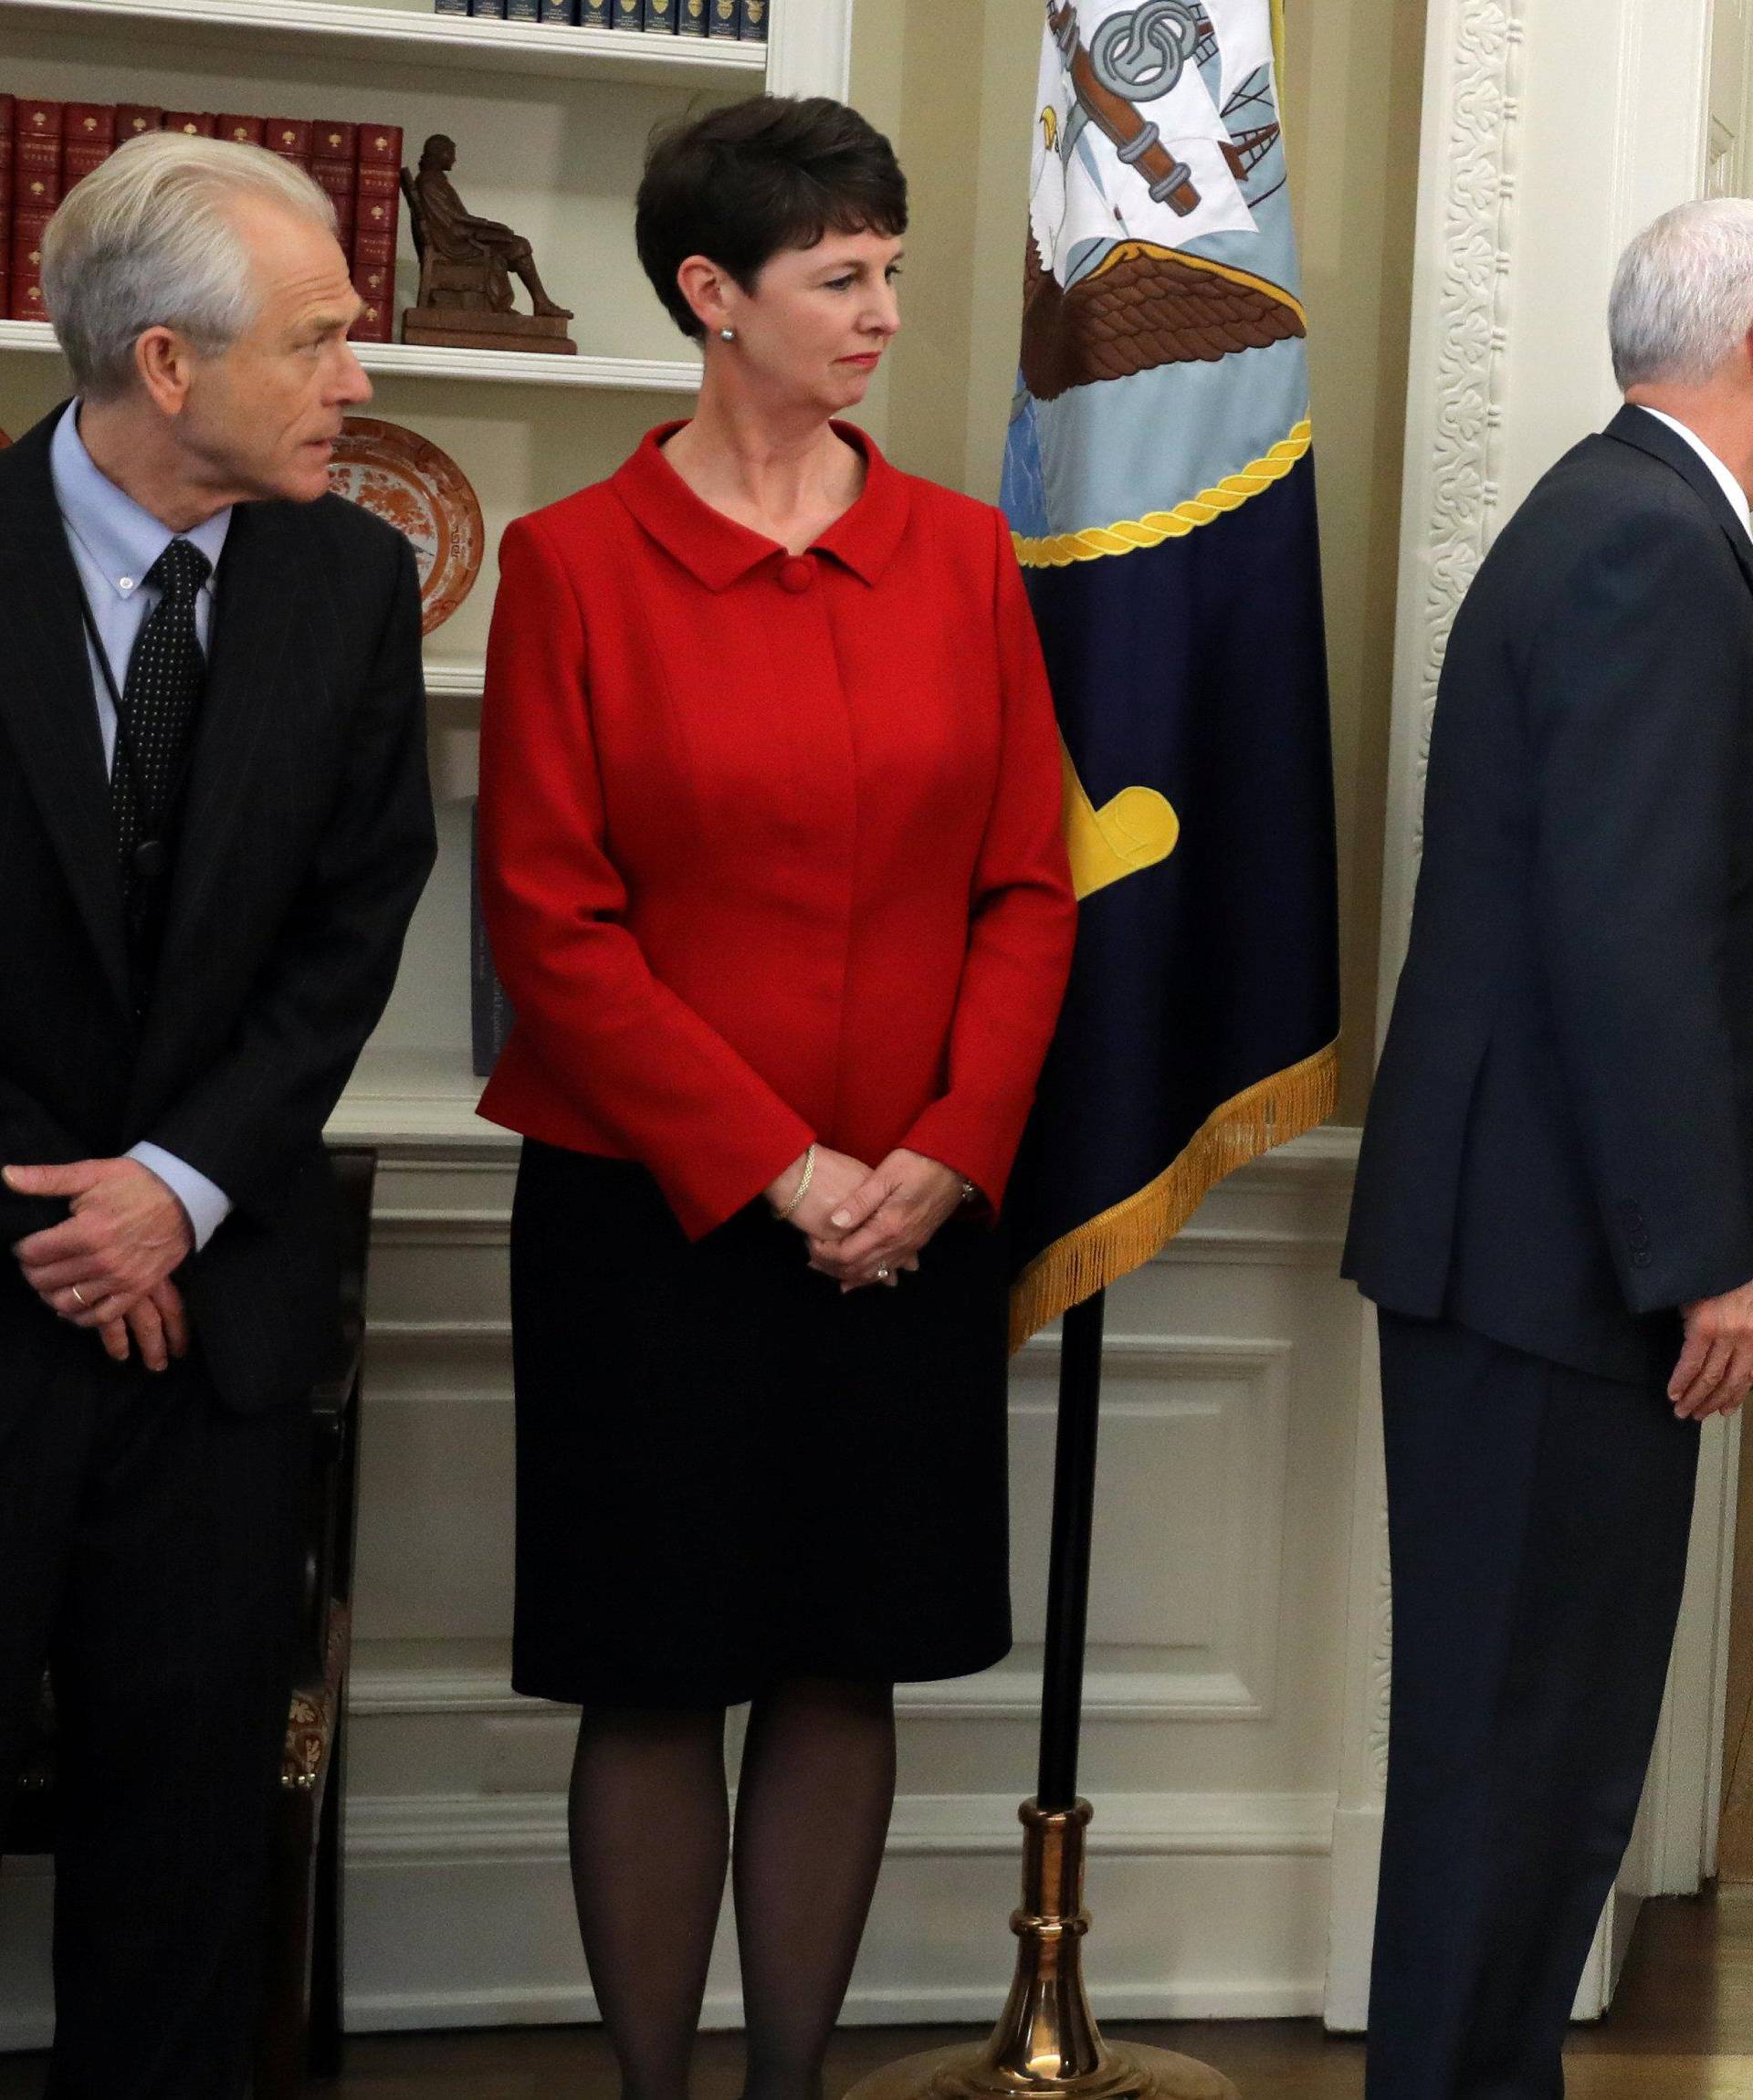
{"x":773,"y":871}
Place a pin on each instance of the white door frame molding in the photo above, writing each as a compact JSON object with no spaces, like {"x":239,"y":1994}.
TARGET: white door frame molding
{"x":1550,"y":132}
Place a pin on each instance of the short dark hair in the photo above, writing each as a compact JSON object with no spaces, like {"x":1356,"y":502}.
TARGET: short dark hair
{"x":774,"y":172}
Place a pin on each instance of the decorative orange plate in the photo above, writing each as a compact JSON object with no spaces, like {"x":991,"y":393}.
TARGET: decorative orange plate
{"x":422,"y":492}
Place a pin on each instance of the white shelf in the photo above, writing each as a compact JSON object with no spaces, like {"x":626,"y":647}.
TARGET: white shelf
{"x":514,"y":367}
{"x":456,"y":681}
{"x":414,"y":37}
{"x":415,"y":1098}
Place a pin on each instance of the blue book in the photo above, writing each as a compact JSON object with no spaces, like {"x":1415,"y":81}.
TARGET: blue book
{"x":496,"y":8}
{"x":523,"y":10}
{"x":450,"y":6}
{"x":658,"y":17}
{"x":627,"y":13}
{"x":723,"y":17}
{"x":489,"y":1011}
{"x":752,"y":20}
{"x":690,"y":18}
{"x":565,"y":12}
{"x":595,"y":14}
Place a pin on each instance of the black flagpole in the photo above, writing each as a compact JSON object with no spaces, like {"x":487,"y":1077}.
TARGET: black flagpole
{"x":1074,"y":1519}
{"x":1046,"y":2045}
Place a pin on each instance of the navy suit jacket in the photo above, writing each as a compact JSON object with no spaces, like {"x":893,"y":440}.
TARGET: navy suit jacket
{"x":307,"y":836}
{"x":1558,"y":1152}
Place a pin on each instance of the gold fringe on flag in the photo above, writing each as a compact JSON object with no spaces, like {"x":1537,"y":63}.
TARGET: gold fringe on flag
{"x":1123,"y":1238}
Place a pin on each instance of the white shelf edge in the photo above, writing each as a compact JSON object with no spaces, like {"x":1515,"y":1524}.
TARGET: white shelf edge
{"x":456,"y":681}
{"x":515,"y":46}
{"x":413,"y":361}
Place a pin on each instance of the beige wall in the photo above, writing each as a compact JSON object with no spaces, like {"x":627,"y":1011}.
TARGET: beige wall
{"x":954,"y":86}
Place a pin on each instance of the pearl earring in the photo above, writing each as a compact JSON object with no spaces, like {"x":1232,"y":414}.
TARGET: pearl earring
{"x":727,"y":335}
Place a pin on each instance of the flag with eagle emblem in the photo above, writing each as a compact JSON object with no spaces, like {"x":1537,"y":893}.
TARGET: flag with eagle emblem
{"x":1158,"y":482}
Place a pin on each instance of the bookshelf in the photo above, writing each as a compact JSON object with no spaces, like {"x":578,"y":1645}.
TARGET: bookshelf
{"x":550,"y":125}
{"x":510,"y":368}
{"x":388,"y":33}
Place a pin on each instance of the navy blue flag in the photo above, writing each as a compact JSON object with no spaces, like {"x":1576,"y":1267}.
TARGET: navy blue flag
{"x":1159,"y":482}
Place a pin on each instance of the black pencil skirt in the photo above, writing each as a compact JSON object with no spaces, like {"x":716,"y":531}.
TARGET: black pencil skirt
{"x":728,"y":1472}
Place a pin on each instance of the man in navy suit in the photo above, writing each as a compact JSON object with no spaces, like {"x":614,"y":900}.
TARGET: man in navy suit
{"x":1554,"y":1209}
{"x":213,"y":824}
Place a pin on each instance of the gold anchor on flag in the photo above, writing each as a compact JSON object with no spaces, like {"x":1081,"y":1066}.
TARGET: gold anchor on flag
{"x":1134,"y":829}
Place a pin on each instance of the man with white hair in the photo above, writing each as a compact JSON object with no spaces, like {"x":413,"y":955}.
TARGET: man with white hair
{"x":214,"y":823}
{"x":1554,"y":1209}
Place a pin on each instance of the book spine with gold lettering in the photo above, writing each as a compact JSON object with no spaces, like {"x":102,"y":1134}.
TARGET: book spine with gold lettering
{"x":192,"y":124}
{"x":721,"y":18}
{"x":290,"y":139}
{"x":35,"y":192}
{"x":241,"y":130}
{"x":596,"y":14}
{"x":334,"y":165}
{"x":690,"y":18}
{"x":88,"y":140}
{"x":8,"y":108}
{"x":378,"y":216}
{"x":658,"y":18}
{"x":752,"y":20}
{"x":134,"y":118}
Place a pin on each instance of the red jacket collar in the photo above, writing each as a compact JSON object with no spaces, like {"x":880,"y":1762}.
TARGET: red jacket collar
{"x":718,"y":551}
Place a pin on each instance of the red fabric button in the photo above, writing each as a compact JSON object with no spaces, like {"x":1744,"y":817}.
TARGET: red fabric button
{"x":797,"y":574}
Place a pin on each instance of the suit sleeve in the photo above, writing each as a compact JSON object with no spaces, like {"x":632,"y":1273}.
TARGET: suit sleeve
{"x":639,"y":1061}
{"x":247,"y":1121}
{"x":1636,"y":701}
{"x":1023,"y":919}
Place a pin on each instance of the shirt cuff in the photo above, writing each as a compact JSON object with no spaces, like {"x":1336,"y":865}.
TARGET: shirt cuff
{"x":208,"y":1207}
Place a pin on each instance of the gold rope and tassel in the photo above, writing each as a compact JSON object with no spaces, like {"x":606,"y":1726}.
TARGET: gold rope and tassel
{"x":1124,"y":1237}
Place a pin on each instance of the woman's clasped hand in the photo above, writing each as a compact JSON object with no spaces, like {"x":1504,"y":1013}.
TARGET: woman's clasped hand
{"x":865,"y":1224}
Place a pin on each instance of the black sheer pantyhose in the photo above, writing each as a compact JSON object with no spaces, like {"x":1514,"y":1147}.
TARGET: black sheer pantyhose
{"x":812,"y":1804}
{"x":650,"y":1822}
{"x":650,"y":1837}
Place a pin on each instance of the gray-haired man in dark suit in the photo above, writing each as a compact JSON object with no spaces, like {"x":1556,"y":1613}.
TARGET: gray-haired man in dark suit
{"x":214,"y":825}
{"x":1555,"y":1203}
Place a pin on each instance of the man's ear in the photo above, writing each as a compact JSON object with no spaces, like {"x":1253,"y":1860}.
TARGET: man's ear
{"x":163,"y":361}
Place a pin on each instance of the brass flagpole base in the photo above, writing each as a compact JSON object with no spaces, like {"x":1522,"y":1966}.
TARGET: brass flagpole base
{"x":1046,"y":2045}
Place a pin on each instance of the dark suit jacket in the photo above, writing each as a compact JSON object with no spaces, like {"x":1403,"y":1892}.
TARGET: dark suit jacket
{"x":307,"y":836}
{"x":1559,"y":1148}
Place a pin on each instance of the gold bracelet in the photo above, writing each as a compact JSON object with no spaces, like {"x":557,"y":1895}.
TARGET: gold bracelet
{"x":803,"y":1188}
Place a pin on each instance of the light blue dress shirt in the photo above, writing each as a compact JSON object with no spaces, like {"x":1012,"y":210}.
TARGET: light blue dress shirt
{"x":114,"y":543}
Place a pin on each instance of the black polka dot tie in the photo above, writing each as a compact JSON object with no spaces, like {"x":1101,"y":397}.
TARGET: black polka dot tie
{"x":159,"y":704}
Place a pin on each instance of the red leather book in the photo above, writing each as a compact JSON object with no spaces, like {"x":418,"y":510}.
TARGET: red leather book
{"x":376,"y":320}
{"x":333,"y":140}
{"x":334,"y":163}
{"x":88,"y":140}
{"x":24,"y":299}
{"x":193,"y":123}
{"x":375,"y":284}
{"x":290,"y":137}
{"x":35,"y":154}
{"x":242,"y":130}
{"x":25,"y":252}
{"x":134,"y":118}
{"x":24,"y":258}
{"x":380,"y":197}
{"x":6,"y":108}
{"x":375,"y":225}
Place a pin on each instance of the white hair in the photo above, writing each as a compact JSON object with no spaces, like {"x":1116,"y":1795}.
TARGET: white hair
{"x":149,"y":240}
{"x":1682,"y":302}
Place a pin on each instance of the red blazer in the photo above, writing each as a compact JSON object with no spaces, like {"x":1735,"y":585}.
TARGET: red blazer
{"x":770,"y":847}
